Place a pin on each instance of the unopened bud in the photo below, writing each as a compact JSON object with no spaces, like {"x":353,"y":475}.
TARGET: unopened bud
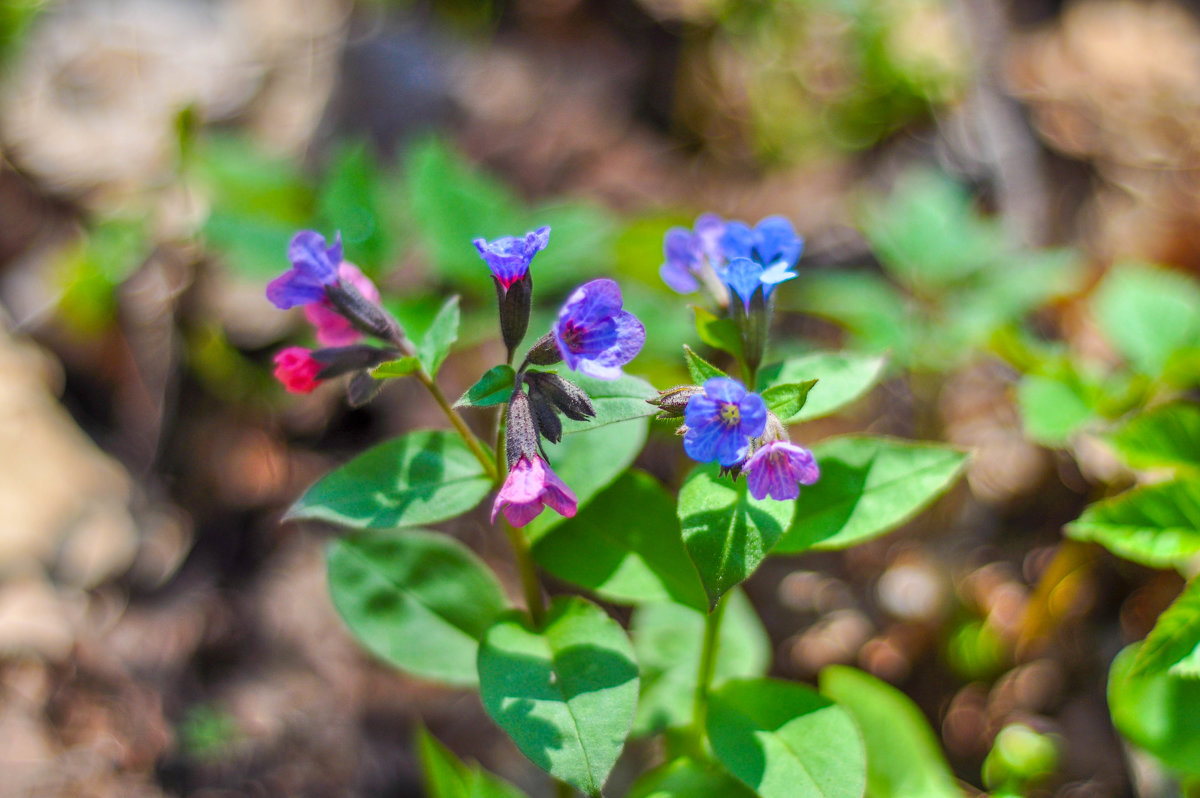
{"x":338,"y":360}
{"x":514,"y":303}
{"x":570,"y":400}
{"x":673,"y":401}
{"x":362,"y":388}
{"x":365,"y":315}
{"x":549,"y":424}
{"x":545,"y":352}
{"x":521,"y":435}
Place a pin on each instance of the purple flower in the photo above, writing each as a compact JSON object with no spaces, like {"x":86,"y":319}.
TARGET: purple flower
{"x":314,"y":266}
{"x":334,"y":329}
{"x":778,"y":469}
{"x":532,"y":484}
{"x":744,"y":277}
{"x":772,"y":241}
{"x":721,"y":422}
{"x":509,"y":257}
{"x":594,"y":335}
{"x":686,"y":252}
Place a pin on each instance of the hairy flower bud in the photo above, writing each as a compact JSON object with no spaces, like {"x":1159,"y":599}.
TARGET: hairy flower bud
{"x":549,"y":424}
{"x":544,"y":352}
{"x":567,"y":397}
{"x":514,"y":302}
{"x":672,"y":402}
{"x":364,"y":314}
{"x":338,"y":360}
{"x":362,"y":388}
{"x":521,"y":436}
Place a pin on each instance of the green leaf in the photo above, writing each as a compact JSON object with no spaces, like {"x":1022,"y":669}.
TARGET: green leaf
{"x":1148,"y":313}
{"x":616,"y":400}
{"x":400,"y":367}
{"x":393,"y":588}
{"x":415,"y":479}
{"x":786,"y":400}
{"x":493,"y":388}
{"x":350,"y":202}
{"x":589,"y":462}
{"x":1166,"y":436}
{"x":903,"y":755}
{"x":667,"y":639}
{"x":440,"y":337}
{"x":727,"y":532}
{"x":446,"y":776}
{"x":1155,"y":525}
{"x":1156,"y":712}
{"x":719,"y":333}
{"x":699,"y":368}
{"x":868,"y":486}
{"x":784,"y":740}
{"x":841,"y":378}
{"x":624,"y":545}
{"x":686,"y":778}
{"x":1053,"y":409}
{"x":566,"y":694}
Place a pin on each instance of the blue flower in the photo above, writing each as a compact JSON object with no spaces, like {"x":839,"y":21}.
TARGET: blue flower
{"x":772,"y":241}
{"x":314,"y":266}
{"x":687,"y":251}
{"x":509,"y":257}
{"x":778,"y":469}
{"x":744,"y":277}
{"x":595,"y":336}
{"x":721,"y":421}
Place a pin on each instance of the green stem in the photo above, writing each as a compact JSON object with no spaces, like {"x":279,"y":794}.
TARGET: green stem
{"x":489,"y":465}
{"x":501,"y":453}
{"x":708,"y":663}
{"x":529,"y":577}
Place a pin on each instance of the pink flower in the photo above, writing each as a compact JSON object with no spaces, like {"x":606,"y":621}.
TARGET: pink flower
{"x":531,"y":484}
{"x":332,"y":328}
{"x":778,"y":469}
{"x":296,"y":369}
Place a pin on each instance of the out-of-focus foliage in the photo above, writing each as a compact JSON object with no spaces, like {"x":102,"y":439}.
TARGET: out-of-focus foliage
{"x":90,"y":270}
{"x":16,"y":17}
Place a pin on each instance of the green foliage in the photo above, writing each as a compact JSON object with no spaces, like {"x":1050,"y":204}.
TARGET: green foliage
{"x":784,"y":740}
{"x":841,"y":378}
{"x":622,"y":399}
{"x":206,"y":732}
{"x":1053,"y":409}
{"x":16,"y":20}
{"x":1167,"y":436}
{"x":446,"y":776}
{"x":565,"y":693}
{"x":686,"y":778}
{"x":401,"y":367}
{"x":1148,"y":314}
{"x":416,"y":599}
{"x":699,"y":368}
{"x":625,"y":546}
{"x":90,"y":270}
{"x":903,"y":755}
{"x":719,"y":333}
{"x":1174,"y":638}
{"x":1019,"y":756}
{"x":1155,"y":525}
{"x":868,"y":487}
{"x":1159,"y":712}
{"x":353,"y":198}
{"x":786,"y":400}
{"x":440,"y":336}
{"x":728,"y":533}
{"x":667,"y":639}
{"x":415,"y":479}
{"x":493,"y":388}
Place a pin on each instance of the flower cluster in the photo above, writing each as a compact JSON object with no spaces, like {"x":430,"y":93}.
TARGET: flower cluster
{"x":730,"y":256}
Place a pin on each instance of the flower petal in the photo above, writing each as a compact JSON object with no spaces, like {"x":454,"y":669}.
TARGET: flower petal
{"x":309,"y":255}
{"x":743,"y":278}
{"x":293,"y":288}
{"x":723,"y":389}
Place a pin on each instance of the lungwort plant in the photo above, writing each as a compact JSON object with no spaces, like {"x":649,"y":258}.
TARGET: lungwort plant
{"x":565,"y":680}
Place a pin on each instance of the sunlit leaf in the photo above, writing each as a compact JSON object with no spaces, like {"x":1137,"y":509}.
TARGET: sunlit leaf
{"x":1155,"y":525}
{"x":1165,"y":436}
{"x":841,"y":378}
{"x":1156,"y":712}
{"x":493,"y":388}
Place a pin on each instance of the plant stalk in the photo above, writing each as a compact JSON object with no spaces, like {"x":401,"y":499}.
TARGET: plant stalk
{"x":529,"y":578}
{"x":460,"y":426}
{"x":708,"y":662}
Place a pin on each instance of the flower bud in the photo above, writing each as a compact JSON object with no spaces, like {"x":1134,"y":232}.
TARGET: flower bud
{"x":549,"y":424}
{"x":514,"y":303}
{"x":544,"y":352}
{"x":567,"y":397}
{"x":338,"y":360}
{"x":521,"y":434}
{"x":365,"y":315}
{"x":672,"y":402}
{"x":362,"y":388}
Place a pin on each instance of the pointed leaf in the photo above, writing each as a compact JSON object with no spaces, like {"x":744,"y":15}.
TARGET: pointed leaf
{"x":446,"y":776}
{"x":401,"y":367}
{"x":786,"y":400}
{"x":566,"y":693}
{"x":1155,"y":525}
{"x":719,"y":333}
{"x":686,"y":778}
{"x":784,"y":740}
{"x":1156,"y":712}
{"x":440,"y":336}
{"x":415,"y":479}
{"x":1176,"y":634}
{"x":868,"y":486}
{"x":727,"y":532}
{"x":1053,"y":409}
{"x":1166,"y":436}
{"x":416,"y":599}
{"x":1148,"y":313}
{"x":493,"y":388}
{"x":625,"y":545}
{"x":903,"y":755}
{"x":699,"y":368}
{"x":841,"y":379}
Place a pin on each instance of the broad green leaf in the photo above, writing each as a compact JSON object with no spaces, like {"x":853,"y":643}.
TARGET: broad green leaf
{"x":1175,"y":636}
{"x":1148,"y":313}
{"x":446,"y":776}
{"x":686,"y":778}
{"x":903,"y":755}
{"x":699,"y":368}
{"x":624,"y":545}
{"x":1155,"y":525}
{"x":616,"y":400}
{"x":566,"y":693}
{"x":350,"y":201}
{"x":719,"y":333}
{"x":784,"y":740}
{"x":667,"y":639}
{"x":589,"y":462}
{"x":871,"y":308}
{"x":1166,"y":436}
{"x":786,"y":400}
{"x":1157,"y":712}
{"x":841,"y":379}
{"x":493,"y":388}
{"x":419,"y":600}
{"x":728,"y":533}
{"x":868,"y":486}
{"x":415,"y":479}
{"x":1052,"y":409}
{"x":440,"y":336}
{"x":400,"y":367}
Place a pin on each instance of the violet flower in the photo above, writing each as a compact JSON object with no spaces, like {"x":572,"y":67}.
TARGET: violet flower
{"x":744,"y":277}
{"x":314,"y":267}
{"x":333,"y":329}
{"x":530,"y":486}
{"x":773,"y":240}
{"x":778,"y":469}
{"x":721,"y":421}
{"x":594,"y":335}
{"x":687,"y":252}
{"x":509,"y":257}
{"x":296,"y":368}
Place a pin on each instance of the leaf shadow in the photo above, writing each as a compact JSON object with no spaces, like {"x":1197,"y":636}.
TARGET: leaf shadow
{"x":838,"y":478}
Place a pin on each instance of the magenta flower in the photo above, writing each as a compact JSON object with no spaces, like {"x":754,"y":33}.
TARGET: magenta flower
{"x":333,"y":329}
{"x":509,"y":257}
{"x":594,"y":335}
{"x":532,"y":484}
{"x":778,"y":469}
{"x":721,"y":421}
{"x":296,"y":368}
{"x":314,"y":267}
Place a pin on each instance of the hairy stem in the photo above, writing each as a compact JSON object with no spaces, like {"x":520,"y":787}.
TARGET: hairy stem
{"x":708,"y":662}
{"x":460,"y":426}
{"x":529,"y":577}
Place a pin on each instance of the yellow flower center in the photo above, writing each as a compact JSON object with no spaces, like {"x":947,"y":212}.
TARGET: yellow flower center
{"x":731,"y":416}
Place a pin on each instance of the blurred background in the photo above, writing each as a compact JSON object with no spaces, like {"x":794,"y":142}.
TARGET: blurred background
{"x":963,"y":171}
